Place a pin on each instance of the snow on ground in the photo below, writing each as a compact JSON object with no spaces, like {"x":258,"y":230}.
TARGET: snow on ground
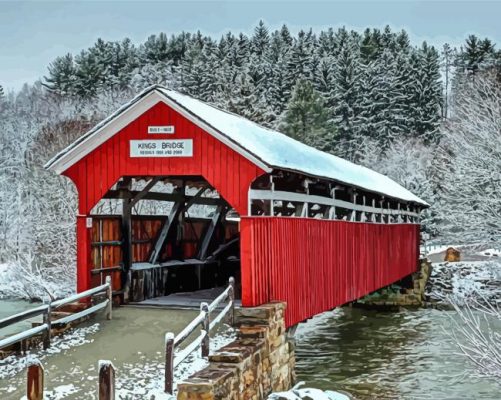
{"x":437,"y":248}
{"x":490,"y":252}
{"x":13,"y":364}
{"x":464,"y":280}
{"x":18,"y":282}
{"x":145,"y":379}
{"x":58,"y":393}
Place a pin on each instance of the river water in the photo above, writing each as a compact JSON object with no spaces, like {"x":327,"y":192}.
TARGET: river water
{"x":368,"y":354}
{"x":392,"y":355}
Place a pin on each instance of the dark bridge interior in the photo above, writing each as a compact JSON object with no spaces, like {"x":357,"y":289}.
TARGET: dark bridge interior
{"x":163,"y":235}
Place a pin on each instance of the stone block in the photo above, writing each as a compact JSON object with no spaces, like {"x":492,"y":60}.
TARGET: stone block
{"x":211,"y":383}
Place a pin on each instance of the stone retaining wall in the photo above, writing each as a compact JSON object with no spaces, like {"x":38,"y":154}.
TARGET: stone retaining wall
{"x":260,"y":361}
{"x":411,"y":296}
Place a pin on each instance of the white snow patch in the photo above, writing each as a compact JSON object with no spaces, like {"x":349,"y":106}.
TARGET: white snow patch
{"x":490,"y":252}
{"x":308,"y":393}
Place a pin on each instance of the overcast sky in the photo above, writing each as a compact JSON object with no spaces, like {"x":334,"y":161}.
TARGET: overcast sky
{"x":33,"y":33}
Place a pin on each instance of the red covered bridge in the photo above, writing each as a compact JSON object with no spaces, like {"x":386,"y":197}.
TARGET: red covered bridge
{"x":176,"y":195}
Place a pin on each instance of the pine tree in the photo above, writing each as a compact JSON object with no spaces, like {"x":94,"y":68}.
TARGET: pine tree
{"x":301,"y":65}
{"x":89,"y":75}
{"x":347,"y":91}
{"x":306,"y":118}
{"x":279,"y":85}
{"x":476,"y":54}
{"x":2,"y":94}
{"x":260,"y":40}
{"x":425,"y":94}
{"x":247,"y":101}
{"x":62,"y":76}
{"x":155,"y":49}
{"x":191,"y":69}
{"x":381,"y":108}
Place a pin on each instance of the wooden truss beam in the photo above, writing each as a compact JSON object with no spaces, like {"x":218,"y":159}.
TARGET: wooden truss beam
{"x":172,"y":197}
{"x":209,"y":233}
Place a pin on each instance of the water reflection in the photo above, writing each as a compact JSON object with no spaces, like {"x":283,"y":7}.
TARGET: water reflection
{"x":375,"y":355}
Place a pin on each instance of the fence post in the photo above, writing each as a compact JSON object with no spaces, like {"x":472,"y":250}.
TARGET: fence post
{"x":109,"y":293}
{"x":106,"y":389}
{"x":169,"y":363}
{"x":34,"y":387}
{"x":232,"y":299}
{"x":47,"y":321}
{"x":204,"y":307}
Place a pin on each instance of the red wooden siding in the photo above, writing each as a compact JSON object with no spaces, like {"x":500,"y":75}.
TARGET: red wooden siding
{"x":229,"y":172}
{"x":316,"y":265}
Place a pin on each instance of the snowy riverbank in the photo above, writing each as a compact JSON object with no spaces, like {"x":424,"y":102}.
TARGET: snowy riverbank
{"x":19,"y":282}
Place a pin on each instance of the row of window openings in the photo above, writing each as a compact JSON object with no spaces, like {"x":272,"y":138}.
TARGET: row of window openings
{"x":317,"y":211}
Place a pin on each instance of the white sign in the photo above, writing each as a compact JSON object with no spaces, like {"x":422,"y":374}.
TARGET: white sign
{"x":88,"y":222}
{"x":169,"y":129}
{"x":161,"y":148}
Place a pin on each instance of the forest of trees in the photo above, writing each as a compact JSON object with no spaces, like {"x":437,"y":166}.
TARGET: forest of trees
{"x":407,"y":110}
{"x":374,"y":84}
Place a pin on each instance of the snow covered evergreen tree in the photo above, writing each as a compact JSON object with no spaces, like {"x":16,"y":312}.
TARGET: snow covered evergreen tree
{"x":306,"y":119}
{"x":477,"y":54}
{"x":427,"y":97}
{"x":347,"y":96}
{"x":62,"y":76}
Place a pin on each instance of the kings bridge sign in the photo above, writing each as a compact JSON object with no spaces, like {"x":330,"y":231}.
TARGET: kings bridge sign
{"x":161,"y":148}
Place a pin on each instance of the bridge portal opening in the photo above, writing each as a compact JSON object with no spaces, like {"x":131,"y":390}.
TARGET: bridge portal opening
{"x":162,"y":235}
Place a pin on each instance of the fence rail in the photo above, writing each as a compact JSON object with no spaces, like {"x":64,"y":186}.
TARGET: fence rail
{"x":202,"y":320}
{"x":47,"y":309}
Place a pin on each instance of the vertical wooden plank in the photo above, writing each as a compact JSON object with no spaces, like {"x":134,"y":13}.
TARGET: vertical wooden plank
{"x":106,"y":382}
{"x":169,"y":363}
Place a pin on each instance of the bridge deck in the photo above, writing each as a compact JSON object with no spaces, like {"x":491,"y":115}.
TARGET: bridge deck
{"x":184,"y":300}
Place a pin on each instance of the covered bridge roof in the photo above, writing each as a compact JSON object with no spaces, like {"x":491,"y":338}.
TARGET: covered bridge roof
{"x":267,"y":148}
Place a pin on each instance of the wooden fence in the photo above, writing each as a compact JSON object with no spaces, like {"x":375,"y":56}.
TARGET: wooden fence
{"x":46,"y":311}
{"x":106,"y":370}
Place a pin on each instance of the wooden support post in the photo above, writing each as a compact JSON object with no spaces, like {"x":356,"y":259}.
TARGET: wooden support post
{"x":106,"y":389}
{"x":109,"y":294}
{"x":232,"y":299}
{"x":34,"y":387}
{"x":204,"y":307}
{"x":126,"y":243}
{"x":169,"y":363}
{"x":47,"y":321}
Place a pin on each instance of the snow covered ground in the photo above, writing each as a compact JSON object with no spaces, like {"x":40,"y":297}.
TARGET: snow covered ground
{"x":299,"y":393}
{"x":145,"y":380}
{"x":465,"y":280}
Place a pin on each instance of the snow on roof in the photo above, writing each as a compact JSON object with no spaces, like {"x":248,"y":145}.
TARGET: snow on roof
{"x":282,"y":152}
{"x":272,"y":148}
